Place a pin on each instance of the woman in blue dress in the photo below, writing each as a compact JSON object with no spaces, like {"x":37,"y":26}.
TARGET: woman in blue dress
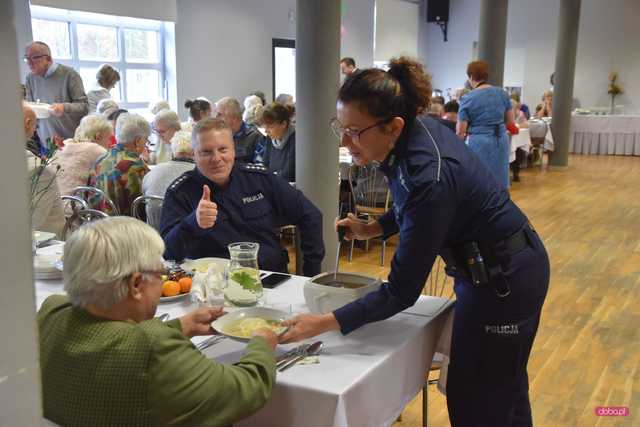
{"x":482,"y":117}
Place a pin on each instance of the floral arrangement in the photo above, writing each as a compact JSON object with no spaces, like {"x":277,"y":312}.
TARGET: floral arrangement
{"x":37,"y":189}
{"x":614,"y":89}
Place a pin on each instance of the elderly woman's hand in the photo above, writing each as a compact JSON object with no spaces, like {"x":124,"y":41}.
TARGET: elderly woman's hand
{"x":198,"y":322}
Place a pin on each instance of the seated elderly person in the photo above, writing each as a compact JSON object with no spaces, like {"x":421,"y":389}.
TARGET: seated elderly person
{"x":106,"y":361}
{"x":199,"y":108}
{"x":165,"y":124}
{"x":545,"y":109}
{"x":47,"y":212}
{"x":120,"y":172}
{"x":79,"y":154}
{"x":245,"y":137}
{"x":221,"y":202}
{"x":279,"y":155}
{"x":156,"y":182}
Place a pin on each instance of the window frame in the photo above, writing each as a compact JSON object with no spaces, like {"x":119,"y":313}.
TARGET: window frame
{"x":73,"y":18}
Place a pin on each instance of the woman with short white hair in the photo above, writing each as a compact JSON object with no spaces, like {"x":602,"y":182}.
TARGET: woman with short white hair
{"x":165,"y":124}
{"x":106,"y":361}
{"x":106,"y":107}
{"x":119,"y":173}
{"x":78,"y":155}
{"x":156,"y":182}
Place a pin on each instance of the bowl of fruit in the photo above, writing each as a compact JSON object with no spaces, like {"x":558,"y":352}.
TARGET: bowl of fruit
{"x":176,"y":284}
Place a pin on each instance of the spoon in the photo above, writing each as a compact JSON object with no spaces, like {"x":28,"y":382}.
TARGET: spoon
{"x":313,"y":350}
{"x":341,"y":232}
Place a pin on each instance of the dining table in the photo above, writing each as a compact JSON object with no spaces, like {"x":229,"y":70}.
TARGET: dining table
{"x":364,"y":378}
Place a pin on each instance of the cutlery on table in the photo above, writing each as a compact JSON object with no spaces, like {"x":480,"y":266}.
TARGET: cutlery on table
{"x":313,"y":350}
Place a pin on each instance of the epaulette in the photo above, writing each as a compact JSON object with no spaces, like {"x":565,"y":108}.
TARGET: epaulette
{"x":179,"y":181}
{"x":254,"y":167}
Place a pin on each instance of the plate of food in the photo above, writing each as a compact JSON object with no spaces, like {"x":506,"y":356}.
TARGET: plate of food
{"x":202,"y":265}
{"x":241,"y":323}
{"x":176,"y":284}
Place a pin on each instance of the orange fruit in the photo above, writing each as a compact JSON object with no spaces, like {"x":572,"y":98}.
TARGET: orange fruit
{"x":170,"y":288}
{"x":185,"y":284}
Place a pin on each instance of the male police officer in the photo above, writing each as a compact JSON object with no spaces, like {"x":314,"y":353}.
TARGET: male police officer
{"x":220,"y":203}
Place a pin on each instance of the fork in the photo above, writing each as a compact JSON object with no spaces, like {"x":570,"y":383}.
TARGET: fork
{"x":291,"y":354}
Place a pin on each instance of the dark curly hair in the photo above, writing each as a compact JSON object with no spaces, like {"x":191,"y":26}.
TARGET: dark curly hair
{"x":402,"y":91}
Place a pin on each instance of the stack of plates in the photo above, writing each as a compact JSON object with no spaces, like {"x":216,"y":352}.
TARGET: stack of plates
{"x":41,"y":109}
{"x":44,"y":263}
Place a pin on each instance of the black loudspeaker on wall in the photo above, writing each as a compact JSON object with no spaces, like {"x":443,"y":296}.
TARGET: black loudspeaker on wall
{"x":437,"y":10}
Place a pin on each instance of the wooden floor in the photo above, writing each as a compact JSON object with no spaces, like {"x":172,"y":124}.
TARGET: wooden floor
{"x":587,"y":351}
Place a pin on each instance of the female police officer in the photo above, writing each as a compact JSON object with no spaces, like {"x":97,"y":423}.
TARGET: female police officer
{"x":445,"y":202}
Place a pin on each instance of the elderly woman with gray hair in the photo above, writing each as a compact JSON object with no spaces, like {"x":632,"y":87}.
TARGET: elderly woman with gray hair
{"x":119,"y":173}
{"x":156,"y":182}
{"x":79,"y":154}
{"x":106,"y":361}
{"x":165,"y":124}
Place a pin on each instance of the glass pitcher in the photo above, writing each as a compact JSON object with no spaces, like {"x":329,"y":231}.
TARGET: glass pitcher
{"x":244,"y":287}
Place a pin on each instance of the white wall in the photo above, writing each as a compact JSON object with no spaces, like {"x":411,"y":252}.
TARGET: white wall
{"x":447,"y":61}
{"x":396,"y":29}
{"x":607,"y":41}
{"x":223,"y":47}
{"x":19,"y":370}
{"x":357,"y":31}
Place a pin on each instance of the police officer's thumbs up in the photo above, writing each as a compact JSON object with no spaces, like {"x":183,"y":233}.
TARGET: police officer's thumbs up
{"x":207,"y":211}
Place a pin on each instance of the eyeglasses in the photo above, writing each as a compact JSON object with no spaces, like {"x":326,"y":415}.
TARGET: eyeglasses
{"x":155,"y":273}
{"x":354,"y":135}
{"x":33,"y":58}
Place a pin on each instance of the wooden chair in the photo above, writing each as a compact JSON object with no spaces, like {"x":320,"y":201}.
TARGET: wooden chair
{"x":371,"y":197}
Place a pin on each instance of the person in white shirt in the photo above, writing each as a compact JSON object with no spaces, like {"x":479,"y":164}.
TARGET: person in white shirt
{"x":107,"y":77}
{"x":165,"y":124}
{"x":156,"y":182}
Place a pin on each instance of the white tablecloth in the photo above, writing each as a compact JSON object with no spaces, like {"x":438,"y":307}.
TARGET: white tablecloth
{"x":363,"y":379}
{"x":521,"y":140}
{"x":597,"y":134}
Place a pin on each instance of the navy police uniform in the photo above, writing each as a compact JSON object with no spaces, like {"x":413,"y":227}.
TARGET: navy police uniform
{"x":445,"y":198}
{"x":253,"y":206}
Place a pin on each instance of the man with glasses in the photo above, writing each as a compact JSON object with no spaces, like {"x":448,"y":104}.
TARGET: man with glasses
{"x":58,"y":85}
{"x":222,"y":202}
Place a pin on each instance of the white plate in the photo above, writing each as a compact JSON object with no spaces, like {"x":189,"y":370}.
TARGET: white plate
{"x":175,"y":297}
{"x":41,"y":109}
{"x":42,"y":236}
{"x":201,"y":265}
{"x":266,"y":313}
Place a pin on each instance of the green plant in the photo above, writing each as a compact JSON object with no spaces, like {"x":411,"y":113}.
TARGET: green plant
{"x":38,"y":189}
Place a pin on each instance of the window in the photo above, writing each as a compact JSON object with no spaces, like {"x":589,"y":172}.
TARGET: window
{"x":284,"y":67}
{"x":85,"y":41}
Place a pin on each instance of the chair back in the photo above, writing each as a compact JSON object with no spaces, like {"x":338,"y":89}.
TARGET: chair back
{"x":369,"y":189}
{"x":80,"y":218}
{"x":72,"y":204}
{"x":95,"y":198}
{"x":153,"y":212}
